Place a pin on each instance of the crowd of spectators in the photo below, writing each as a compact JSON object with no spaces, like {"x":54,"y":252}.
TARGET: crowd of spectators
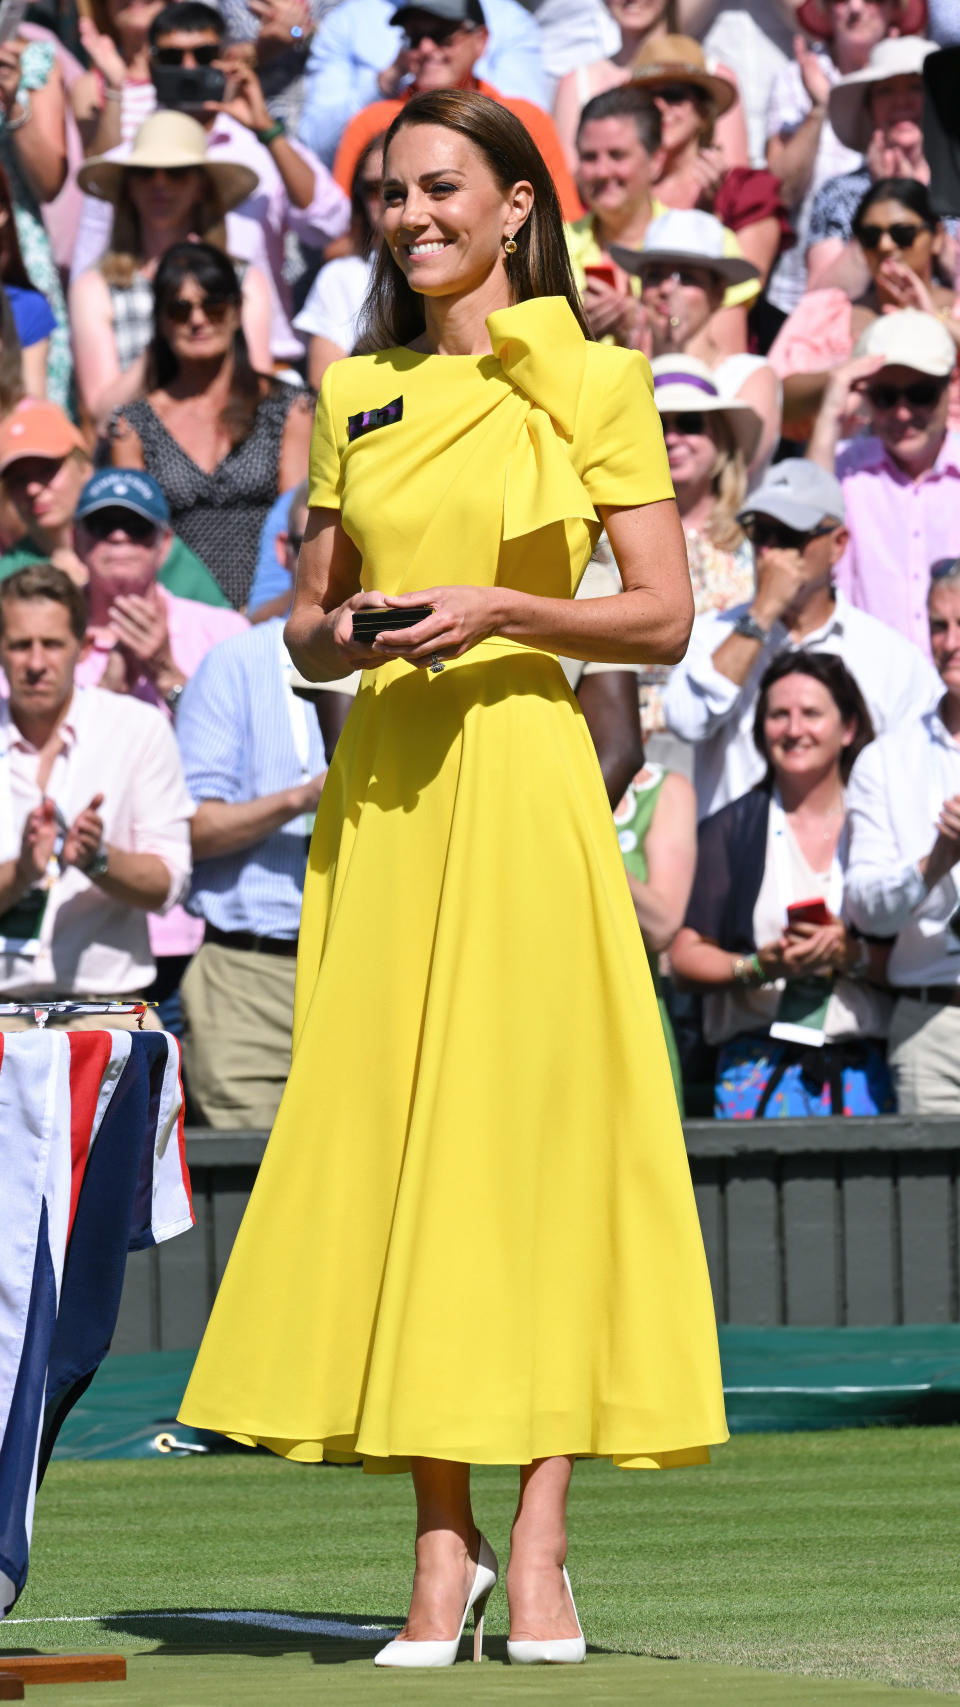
{"x":190,"y":207}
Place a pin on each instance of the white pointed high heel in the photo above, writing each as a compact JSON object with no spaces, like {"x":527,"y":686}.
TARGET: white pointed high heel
{"x":559,"y":1650}
{"x":401,"y":1653}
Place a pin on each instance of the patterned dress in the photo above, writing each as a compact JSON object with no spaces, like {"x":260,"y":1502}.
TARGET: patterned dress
{"x":219,"y":515}
{"x":36,"y":63}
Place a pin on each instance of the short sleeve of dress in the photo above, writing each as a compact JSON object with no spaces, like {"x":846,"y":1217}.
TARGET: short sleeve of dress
{"x":618,"y":428}
{"x":326,"y":479}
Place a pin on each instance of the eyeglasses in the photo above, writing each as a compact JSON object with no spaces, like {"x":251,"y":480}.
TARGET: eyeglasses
{"x":176,"y":174}
{"x":904,"y":234}
{"x":943,"y":566}
{"x":140,"y":529}
{"x":294,"y":541}
{"x":213,"y":308}
{"x":439,"y":31}
{"x":923,"y":394}
{"x":676,"y":93}
{"x":766,"y":534}
{"x":205,"y":54}
{"x":687,"y":422}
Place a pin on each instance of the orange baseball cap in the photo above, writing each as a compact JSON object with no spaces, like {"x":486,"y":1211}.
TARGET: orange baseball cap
{"x":37,"y":428}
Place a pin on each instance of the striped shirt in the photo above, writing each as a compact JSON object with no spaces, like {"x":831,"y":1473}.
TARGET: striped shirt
{"x":243,"y":735}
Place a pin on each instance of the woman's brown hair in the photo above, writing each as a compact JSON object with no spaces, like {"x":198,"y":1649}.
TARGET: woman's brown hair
{"x":729,"y":478}
{"x":13,"y":268}
{"x":392,"y":313}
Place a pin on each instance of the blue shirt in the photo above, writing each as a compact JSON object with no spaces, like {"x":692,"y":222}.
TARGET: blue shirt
{"x":236,"y":735}
{"x":32,"y":315}
{"x":356,"y":41}
{"x":270,"y":578}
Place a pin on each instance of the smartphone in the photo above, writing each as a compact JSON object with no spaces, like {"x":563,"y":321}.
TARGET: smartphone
{"x":603,"y":272}
{"x":178,"y":86}
{"x":815,"y":912}
{"x":12,"y":14}
{"x":367,"y":624}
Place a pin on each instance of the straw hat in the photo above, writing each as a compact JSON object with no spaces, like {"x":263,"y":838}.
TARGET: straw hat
{"x":681,"y":385}
{"x":166,"y":139}
{"x":848,"y":108}
{"x":685,"y":235}
{"x":680,"y":59}
{"x":814,"y":16}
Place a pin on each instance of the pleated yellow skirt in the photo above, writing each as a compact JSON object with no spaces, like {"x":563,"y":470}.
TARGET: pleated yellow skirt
{"x":473,"y":1235}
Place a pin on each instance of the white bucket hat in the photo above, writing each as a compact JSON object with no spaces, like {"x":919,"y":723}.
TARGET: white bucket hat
{"x":910,"y":339}
{"x":682,"y":385}
{"x":167,"y":139}
{"x":895,"y":56}
{"x":685,"y":235}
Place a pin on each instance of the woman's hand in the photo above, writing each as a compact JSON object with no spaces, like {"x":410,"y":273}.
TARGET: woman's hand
{"x":904,"y":288}
{"x":709,"y":170}
{"x":103,"y":53}
{"x":461,"y":617}
{"x":243,"y":97}
{"x":610,"y":310}
{"x":10,"y":75}
{"x":818,"y":948}
{"x":770,"y":956}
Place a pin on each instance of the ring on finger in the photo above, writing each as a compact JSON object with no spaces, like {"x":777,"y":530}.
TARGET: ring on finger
{"x":436,"y":666}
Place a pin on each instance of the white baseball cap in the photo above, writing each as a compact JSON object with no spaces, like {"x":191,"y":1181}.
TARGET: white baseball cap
{"x":910,"y":339}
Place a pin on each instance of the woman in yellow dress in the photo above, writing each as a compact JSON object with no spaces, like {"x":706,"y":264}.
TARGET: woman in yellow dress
{"x":473,"y":1237}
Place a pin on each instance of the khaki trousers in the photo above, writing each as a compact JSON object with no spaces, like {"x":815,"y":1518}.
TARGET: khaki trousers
{"x":237,"y":1026}
{"x":85,"y":1022}
{"x":924,"y":1056}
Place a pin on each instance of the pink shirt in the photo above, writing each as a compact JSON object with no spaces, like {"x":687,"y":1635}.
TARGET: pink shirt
{"x":898,"y":528}
{"x":90,"y":944}
{"x":193,"y":628}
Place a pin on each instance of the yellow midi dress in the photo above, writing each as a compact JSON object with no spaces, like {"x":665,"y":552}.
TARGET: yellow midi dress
{"x":473,"y":1234}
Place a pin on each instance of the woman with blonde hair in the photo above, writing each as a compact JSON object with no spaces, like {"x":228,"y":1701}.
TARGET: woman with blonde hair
{"x":710,"y":441}
{"x":164,"y":191}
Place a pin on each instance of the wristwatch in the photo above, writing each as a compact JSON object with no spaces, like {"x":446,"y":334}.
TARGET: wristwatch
{"x":750,"y":628}
{"x":270,"y":134}
{"x":172,"y":696}
{"x":100,"y":863}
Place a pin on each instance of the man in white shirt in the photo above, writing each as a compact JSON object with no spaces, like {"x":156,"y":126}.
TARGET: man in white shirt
{"x":795,"y":520}
{"x":94,"y":811}
{"x":902,"y":880}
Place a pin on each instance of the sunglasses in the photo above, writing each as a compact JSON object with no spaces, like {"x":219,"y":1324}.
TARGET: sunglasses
{"x":206,"y":54}
{"x":904,"y":234}
{"x":176,"y":174}
{"x":943,"y":566}
{"x":688,"y":422}
{"x":691,"y":278}
{"x":439,"y":32}
{"x":213,"y":308}
{"x":103,"y":523}
{"x":676,"y":93}
{"x":923,"y":394}
{"x":766,"y":534}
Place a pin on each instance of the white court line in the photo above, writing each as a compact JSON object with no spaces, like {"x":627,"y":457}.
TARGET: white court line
{"x":298,"y":1624}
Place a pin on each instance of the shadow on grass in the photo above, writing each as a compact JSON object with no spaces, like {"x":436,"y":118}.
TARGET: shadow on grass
{"x":329,"y":1638}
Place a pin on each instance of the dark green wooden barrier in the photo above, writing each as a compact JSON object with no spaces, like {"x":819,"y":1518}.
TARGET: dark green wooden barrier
{"x":817,"y":1223}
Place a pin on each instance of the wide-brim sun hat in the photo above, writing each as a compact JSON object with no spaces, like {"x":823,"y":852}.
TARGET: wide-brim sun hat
{"x":848,"y":108}
{"x":167,"y":139}
{"x":685,"y":236}
{"x":680,"y":59}
{"x":815,"y":18}
{"x":682,"y":386}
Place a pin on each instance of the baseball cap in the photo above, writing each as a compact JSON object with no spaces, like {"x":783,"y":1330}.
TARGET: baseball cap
{"x":452,"y":11}
{"x":798,"y":493}
{"x":910,"y":338}
{"x":37,"y":428}
{"x":124,"y":489}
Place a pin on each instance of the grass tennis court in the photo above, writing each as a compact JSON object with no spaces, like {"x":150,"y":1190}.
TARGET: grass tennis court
{"x":831,"y":1555}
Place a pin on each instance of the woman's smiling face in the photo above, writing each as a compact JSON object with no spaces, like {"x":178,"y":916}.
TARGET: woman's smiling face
{"x":445,"y":217}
